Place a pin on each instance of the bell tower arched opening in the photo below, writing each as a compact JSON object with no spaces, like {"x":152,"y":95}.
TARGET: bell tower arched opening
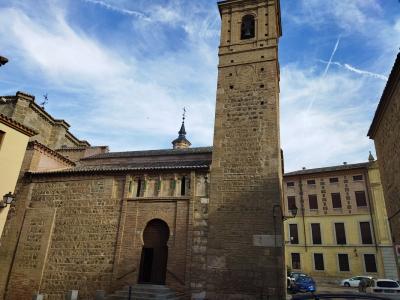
{"x":248,"y":28}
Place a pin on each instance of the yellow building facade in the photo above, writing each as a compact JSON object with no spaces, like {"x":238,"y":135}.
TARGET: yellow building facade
{"x":14,"y":138}
{"x":341,"y":228}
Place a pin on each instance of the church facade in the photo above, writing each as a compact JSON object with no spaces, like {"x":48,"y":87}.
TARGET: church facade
{"x":206,"y":221}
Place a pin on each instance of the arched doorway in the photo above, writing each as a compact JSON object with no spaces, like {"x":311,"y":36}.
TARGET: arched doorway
{"x":153,"y":263}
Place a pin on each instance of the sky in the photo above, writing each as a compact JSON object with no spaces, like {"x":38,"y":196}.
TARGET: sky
{"x":121,"y":71}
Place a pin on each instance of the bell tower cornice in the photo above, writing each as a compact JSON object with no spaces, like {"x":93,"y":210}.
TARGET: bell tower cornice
{"x":231,"y":6}
{"x":250,"y":31}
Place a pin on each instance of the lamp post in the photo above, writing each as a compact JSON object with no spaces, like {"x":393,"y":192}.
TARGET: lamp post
{"x":293,"y":211}
{"x":8,"y":199}
{"x":3,"y":60}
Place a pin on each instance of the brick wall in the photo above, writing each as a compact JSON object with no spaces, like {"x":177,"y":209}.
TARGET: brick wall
{"x":244,"y":247}
{"x":52,"y":132}
{"x":80,"y":244}
{"x":387,"y":143}
{"x":85,"y":233}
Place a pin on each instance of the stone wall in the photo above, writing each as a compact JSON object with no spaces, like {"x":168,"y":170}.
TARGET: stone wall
{"x":245,"y":258}
{"x":53,"y":133}
{"x":387,"y":143}
{"x":79,"y":246}
{"x":85,"y":233}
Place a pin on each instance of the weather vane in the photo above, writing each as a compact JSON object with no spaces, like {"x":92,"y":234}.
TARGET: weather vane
{"x":184,"y":114}
{"x":46,"y":100}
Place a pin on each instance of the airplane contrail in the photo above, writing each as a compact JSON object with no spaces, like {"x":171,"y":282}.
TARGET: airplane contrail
{"x":356,"y":70}
{"x":332,"y":55}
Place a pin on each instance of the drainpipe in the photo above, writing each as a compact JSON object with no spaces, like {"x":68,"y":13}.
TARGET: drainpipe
{"x":368,"y":184}
{"x":302,"y":213}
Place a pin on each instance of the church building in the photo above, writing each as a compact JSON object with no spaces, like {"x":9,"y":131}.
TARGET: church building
{"x":205,"y":222}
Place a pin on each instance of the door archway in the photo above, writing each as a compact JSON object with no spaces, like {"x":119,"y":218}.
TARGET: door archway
{"x":153,"y":263}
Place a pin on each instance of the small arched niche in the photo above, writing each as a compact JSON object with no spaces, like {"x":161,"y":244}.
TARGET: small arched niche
{"x":248,"y":29}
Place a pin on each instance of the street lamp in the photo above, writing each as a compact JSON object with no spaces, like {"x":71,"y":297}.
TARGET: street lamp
{"x":3,"y":60}
{"x":293,"y":210}
{"x":8,"y":199}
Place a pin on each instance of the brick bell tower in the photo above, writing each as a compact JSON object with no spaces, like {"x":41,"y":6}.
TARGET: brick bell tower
{"x":245,"y":255}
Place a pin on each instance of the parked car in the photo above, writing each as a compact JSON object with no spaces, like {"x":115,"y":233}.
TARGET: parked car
{"x":304,"y":284}
{"x":292,"y":276}
{"x":353,"y":281}
{"x":384,"y":286}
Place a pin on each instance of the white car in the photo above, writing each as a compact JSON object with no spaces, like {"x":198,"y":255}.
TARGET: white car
{"x":384,"y":286}
{"x":353,"y":281}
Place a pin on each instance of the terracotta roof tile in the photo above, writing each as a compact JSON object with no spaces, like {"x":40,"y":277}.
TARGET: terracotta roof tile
{"x":145,"y":153}
{"x":328,"y":169}
{"x":144,"y":166}
{"x":17,"y":126}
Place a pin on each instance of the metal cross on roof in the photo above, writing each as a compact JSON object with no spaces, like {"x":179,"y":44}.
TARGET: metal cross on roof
{"x":46,"y":99}
{"x":184,"y":114}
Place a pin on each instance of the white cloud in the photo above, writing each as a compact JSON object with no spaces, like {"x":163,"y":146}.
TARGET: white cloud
{"x":334,"y":128}
{"x":61,"y":53}
{"x":348,"y":15}
{"x":355,"y":17}
{"x":123,"y":96}
{"x":134,"y":102}
{"x":124,"y":11}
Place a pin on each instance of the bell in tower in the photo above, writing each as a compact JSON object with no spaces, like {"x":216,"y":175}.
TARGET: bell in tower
{"x":248,"y":27}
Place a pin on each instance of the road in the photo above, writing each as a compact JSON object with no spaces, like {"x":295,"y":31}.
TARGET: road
{"x":330,"y":289}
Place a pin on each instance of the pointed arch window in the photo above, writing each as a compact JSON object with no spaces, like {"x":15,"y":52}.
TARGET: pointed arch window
{"x":248,"y":30}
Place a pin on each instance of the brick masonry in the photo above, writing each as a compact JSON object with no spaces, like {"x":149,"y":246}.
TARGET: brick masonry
{"x":85,"y":232}
{"x":385,"y":131}
{"x":53,"y":133}
{"x":84,"y":229}
{"x":244,"y":248}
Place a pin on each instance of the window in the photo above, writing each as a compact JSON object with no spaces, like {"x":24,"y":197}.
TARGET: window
{"x":333,"y":180}
{"x":296,"y":261}
{"x":357,"y":178}
{"x":248,"y":29}
{"x":294,"y":235}
{"x":140,"y":188}
{"x":291,"y":202}
{"x":2,"y":134}
{"x":370,"y":263}
{"x":313,"y":201}
{"x":319,"y":262}
{"x":290,"y":184}
{"x":183,"y":186}
{"x":130,"y":186}
{"x":366,"y":236}
{"x":361,"y":200}
{"x":336,"y":200}
{"x":311,"y":182}
{"x":387,"y":284}
{"x":316,"y":234}
{"x":343,"y":263}
{"x":340,"y":234}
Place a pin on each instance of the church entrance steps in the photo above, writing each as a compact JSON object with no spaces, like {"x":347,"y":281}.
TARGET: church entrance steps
{"x":146,"y":292}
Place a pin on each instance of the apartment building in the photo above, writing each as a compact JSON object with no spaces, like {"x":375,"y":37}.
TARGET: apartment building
{"x":341,"y":228}
{"x":13,"y":140}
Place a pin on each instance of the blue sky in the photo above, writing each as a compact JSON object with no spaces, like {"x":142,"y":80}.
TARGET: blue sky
{"x":120,"y":71}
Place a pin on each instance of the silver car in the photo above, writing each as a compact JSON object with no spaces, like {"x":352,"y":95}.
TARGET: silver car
{"x":353,"y":281}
